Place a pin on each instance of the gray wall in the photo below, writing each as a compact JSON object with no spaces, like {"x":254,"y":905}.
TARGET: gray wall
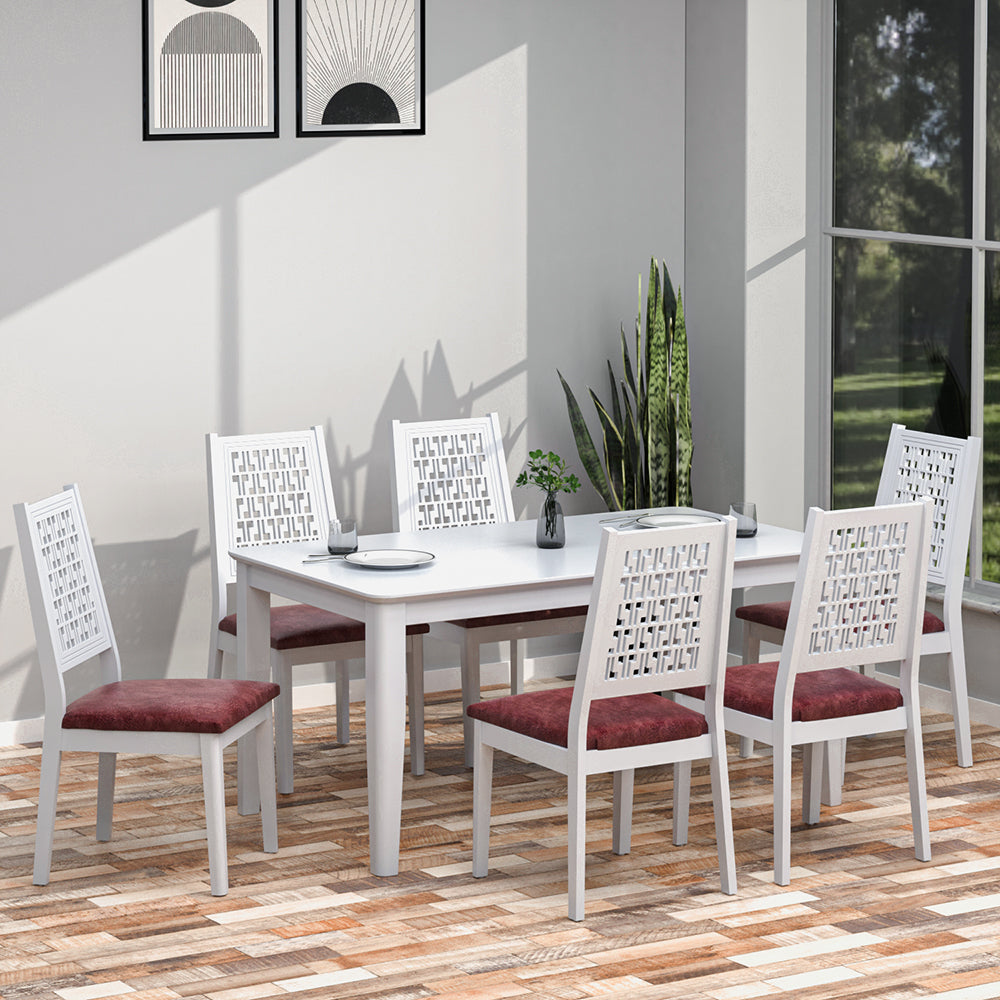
{"x":156,"y":291}
{"x":715,"y":251}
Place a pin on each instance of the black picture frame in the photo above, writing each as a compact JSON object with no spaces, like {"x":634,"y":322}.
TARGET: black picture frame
{"x":360,"y":68}
{"x":209,"y":69}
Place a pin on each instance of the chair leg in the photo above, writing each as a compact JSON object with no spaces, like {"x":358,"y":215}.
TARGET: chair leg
{"x":813,"y":757}
{"x":342,"y":685}
{"x":415,"y":701}
{"x":577,"y":846}
{"x":215,"y":812}
{"x":723,"y":815}
{"x":918,"y":790}
{"x":264,"y":737}
{"x":283,"y":728}
{"x":215,"y":663}
{"x":623,"y":783}
{"x":682,"y":801}
{"x":751,"y":654}
{"x":516,"y":667}
{"x":48,"y":791}
{"x":471,"y":687}
{"x":482,"y":794}
{"x":105,"y":794}
{"x":960,"y":701}
{"x":782,"y":760}
{"x":834,"y":755}
{"x":751,"y":644}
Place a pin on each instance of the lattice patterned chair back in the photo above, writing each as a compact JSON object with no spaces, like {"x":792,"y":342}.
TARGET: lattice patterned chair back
{"x":65,"y":592}
{"x":265,"y":488}
{"x":449,"y":473}
{"x":658,"y":615}
{"x":945,"y":469}
{"x":859,"y":595}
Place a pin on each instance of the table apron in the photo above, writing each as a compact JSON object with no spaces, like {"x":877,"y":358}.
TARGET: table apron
{"x":761,"y":574}
{"x":421,"y":610}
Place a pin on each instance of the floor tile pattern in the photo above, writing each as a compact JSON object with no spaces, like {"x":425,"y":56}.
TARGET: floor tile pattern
{"x":862,"y":918}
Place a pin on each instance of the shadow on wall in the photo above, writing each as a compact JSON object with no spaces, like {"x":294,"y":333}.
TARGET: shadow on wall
{"x":143,"y":575}
{"x":439,"y":399}
{"x":136,"y":575}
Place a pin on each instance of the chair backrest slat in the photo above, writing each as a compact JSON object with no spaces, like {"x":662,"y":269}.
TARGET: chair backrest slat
{"x":265,"y":489}
{"x":945,"y":469}
{"x":68,"y":606}
{"x":659,"y":611}
{"x":859,"y":594}
{"x":450,"y":473}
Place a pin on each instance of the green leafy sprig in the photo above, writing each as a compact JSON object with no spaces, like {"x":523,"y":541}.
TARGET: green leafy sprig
{"x":547,"y":471}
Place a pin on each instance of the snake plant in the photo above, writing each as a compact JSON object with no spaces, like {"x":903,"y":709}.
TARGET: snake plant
{"x":645,"y":460}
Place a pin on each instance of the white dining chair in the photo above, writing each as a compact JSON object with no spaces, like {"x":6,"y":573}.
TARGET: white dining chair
{"x":452,"y":474}
{"x":163,"y":716}
{"x":658,"y":620}
{"x":266,"y":489}
{"x":858,"y":599}
{"x":916,"y":465}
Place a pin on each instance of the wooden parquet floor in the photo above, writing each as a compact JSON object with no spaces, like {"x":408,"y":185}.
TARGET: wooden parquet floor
{"x":134,"y":918}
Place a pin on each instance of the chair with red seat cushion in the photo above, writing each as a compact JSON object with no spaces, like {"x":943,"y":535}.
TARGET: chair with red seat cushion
{"x":168,"y":716}
{"x":916,"y":465}
{"x":858,"y":599}
{"x":453,"y":473}
{"x":658,"y":621}
{"x":270,"y":488}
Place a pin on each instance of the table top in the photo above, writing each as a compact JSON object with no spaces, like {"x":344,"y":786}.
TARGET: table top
{"x":480,"y":558}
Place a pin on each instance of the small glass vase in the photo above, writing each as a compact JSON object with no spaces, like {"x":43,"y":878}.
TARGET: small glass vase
{"x":551,"y":530}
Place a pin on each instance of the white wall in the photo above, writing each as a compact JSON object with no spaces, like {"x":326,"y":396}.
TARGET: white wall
{"x":156,"y":291}
{"x":777,"y":326}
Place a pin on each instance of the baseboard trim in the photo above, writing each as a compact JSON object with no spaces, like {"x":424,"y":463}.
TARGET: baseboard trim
{"x":21,"y":731}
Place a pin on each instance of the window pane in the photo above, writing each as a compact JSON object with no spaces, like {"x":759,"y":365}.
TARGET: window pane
{"x":903,"y":112}
{"x":991,"y":424}
{"x":901,"y":353}
{"x":993,"y":121}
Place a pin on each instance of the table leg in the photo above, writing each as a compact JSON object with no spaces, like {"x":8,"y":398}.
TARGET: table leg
{"x":385,"y":727}
{"x":253,"y":644}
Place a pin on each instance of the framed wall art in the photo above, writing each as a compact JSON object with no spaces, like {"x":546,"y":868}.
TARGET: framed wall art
{"x":210,"y":69}
{"x":360,"y":67}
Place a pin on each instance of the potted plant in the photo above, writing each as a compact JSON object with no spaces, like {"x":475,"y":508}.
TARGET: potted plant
{"x":646,"y":430}
{"x":547,"y":471}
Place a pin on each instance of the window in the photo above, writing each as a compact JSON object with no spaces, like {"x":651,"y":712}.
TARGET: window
{"x":916,"y":240}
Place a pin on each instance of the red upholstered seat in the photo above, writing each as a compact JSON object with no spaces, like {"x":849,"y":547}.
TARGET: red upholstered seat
{"x":300,"y":626}
{"x":775,"y":615}
{"x":547,"y":614}
{"x":171,"y":705}
{"x":818,"y":694}
{"x":629,"y":721}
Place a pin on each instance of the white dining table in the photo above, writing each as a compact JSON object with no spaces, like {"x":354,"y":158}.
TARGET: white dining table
{"x":479,"y":570}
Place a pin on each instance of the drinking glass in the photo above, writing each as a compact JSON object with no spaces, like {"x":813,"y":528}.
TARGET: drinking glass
{"x":343,"y":536}
{"x":746,"y":518}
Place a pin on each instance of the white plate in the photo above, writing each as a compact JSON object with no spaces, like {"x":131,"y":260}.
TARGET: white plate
{"x":673,"y":520}
{"x":389,"y":558}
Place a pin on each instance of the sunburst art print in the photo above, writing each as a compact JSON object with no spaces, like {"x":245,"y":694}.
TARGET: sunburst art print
{"x":209,"y":69}
{"x":360,"y":67}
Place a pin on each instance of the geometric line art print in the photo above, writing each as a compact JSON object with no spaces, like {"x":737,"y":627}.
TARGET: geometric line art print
{"x":209,"y":69}
{"x":360,"y":67}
